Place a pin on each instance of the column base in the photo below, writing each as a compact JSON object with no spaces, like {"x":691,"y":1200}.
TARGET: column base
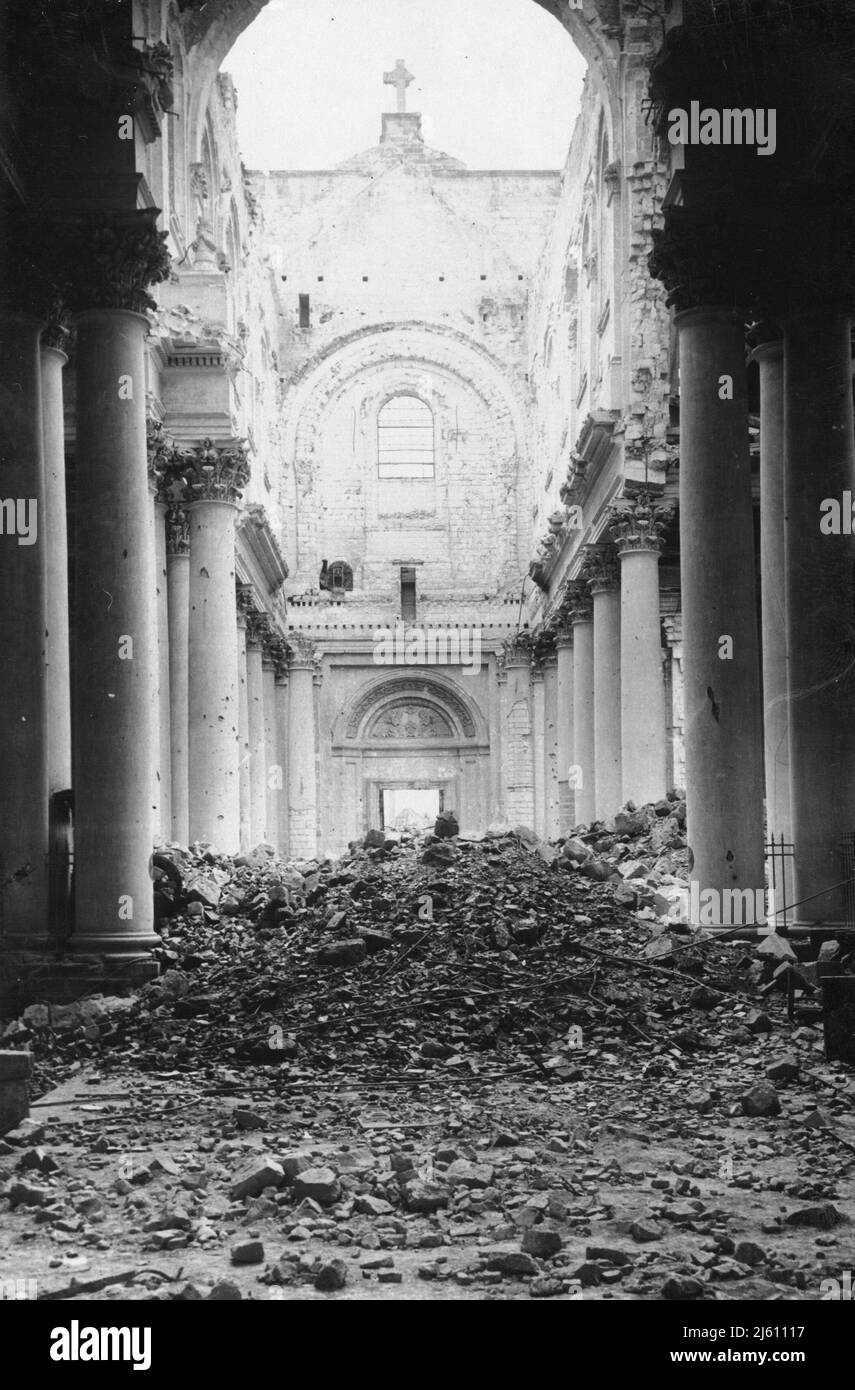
{"x":28,"y":977}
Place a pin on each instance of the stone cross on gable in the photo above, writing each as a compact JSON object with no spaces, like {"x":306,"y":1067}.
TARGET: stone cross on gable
{"x":400,"y":79}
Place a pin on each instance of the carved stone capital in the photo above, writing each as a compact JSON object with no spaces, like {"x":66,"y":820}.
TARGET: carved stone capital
{"x":257,"y":629}
{"x":217,"y":472}
{"x":639,"y":524}
{"x":302,"y":649}
{"x":108,"y":261}
{"x":600,"y":569}
{"x":578,"y":604}
{"x":518,"y":649}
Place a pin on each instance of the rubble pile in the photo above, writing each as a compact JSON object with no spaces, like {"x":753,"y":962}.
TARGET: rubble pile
{"x":409,"y":957}
{"x":484,"y":1068}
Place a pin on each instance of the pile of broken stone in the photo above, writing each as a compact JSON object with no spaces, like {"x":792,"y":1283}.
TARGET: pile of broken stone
{"x":475,"y":1032}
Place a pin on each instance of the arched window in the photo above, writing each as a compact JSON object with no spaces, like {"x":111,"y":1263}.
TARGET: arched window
{"x":405,"y":439}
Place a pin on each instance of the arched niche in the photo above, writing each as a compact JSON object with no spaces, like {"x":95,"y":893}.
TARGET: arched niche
{"x":408,"y":711}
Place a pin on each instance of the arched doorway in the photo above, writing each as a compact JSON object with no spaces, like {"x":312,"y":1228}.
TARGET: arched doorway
{"x":399,"y":734}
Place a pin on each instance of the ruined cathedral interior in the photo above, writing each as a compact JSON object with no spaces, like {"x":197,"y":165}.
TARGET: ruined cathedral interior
{"x":421,"y":577}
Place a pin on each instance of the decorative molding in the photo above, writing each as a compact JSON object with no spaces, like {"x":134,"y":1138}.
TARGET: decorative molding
{"x":254,"y":527}
{"x":410,"y":687}
{"x":414,"y":720}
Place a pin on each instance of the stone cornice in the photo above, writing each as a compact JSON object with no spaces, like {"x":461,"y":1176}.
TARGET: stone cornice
{"x":255,"y":529}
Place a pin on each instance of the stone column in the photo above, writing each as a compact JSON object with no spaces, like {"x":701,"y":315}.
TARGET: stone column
{"x":538,"y":748}
{"x":54,"y":530}
{"x":499,"y":707}
{"x":272,"y":762}
{"x":773,"y":589}
{"x":218,"y":475}
{"x":552,"y":828}
{"x":673,"y":625}
{"x":282,"y":690}
{"x":255,"y":716}
{"x":517,"y":752}
{"x":584,"y":773}
{"x":724,"y":764}
{"x":605,"y":591}
{"x":302,"y":755}
{"x":496,"y":779}
{"x":820,"y":559}
{"x":164,"y":761}
{"x":244,"y":750}
{"x":23,"y":622}
{"x":178,"y":620}
{"x":637,"y":531}
{"x":564,"y":701}
{"x":115,"y":641}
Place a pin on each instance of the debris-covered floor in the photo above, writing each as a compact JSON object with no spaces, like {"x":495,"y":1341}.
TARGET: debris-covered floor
{"x":438,"y":1068}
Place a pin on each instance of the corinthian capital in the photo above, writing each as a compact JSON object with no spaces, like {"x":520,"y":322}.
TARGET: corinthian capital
{"x":302,"y":649}
{"x":639,"y":524}
{"x":109,"y":261}
{"x":217,"y":472}
{"x":518,"y":649}
{"x":600,"y":570}
{"x":577,"y":602}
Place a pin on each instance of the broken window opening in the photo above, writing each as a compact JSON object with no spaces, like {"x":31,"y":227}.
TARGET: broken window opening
{"x":405,"y":439}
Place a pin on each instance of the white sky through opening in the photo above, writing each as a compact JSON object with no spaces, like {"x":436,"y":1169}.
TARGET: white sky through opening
{"x":498,"y":82}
